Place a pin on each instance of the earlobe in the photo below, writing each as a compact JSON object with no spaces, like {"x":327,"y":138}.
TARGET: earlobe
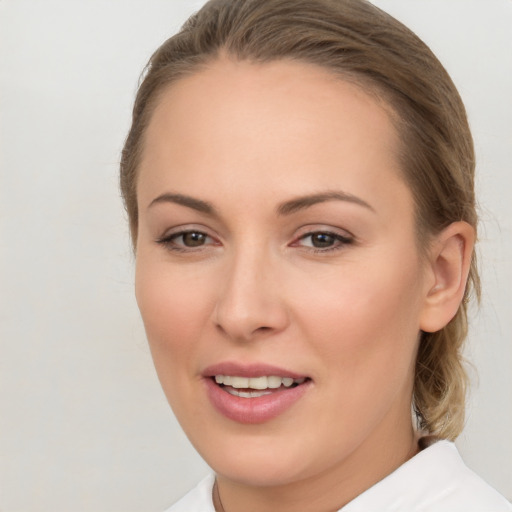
{"x":450,"y":261}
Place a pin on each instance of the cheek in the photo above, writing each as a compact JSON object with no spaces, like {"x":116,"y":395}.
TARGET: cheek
{"x":366,"y":317}
{"x":173,"y":306}
{"x":363,"y":328}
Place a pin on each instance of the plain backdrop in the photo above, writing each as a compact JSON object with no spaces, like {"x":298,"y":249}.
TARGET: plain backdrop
{"x":84,"y":426}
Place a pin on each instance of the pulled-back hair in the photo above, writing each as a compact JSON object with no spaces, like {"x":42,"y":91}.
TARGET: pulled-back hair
{"x":362,"y":44}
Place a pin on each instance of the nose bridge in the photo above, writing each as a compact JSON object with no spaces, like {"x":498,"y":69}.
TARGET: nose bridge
{"x":250,"y":299}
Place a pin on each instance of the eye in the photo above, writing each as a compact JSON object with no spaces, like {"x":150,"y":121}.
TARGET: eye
{"x":186,"y":240}
{"x":190,"y":239}
{"x":322,"y":241}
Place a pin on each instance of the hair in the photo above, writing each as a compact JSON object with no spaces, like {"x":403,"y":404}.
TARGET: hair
{"x":363,"y":44}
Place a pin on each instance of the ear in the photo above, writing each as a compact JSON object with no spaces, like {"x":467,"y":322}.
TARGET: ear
{"x":449,"y":264}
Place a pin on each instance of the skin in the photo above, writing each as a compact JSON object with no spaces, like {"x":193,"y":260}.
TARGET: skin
{"x":246,"y":138}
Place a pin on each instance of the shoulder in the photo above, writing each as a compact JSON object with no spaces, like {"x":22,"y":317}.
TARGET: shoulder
{"x":435,"y":480}
{"x":464,"y":489}
{"x":199,"y":499}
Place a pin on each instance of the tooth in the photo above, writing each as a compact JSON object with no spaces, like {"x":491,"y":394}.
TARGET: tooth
{"x":247,"y":394}
{"x":287,"y":381}
{"x":257,"y":383}
{"x":273,"y":382}
{"x":255,"y":394}
{"x":260,"y":383}
{"x":240,"y":382}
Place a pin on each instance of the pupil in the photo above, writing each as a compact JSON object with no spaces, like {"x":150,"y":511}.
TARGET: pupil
{"x":193,"y":239}
{"x":322,"y":240}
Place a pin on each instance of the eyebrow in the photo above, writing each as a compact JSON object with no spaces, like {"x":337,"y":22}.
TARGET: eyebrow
{"x":303,"y":202}
{"x":286,"y":208}
{"x":190,"y":202}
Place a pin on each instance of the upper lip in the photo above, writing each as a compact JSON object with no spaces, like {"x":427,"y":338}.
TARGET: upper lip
{"x":249,"y":370}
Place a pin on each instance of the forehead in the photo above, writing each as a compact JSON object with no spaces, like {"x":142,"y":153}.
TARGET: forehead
{"x":294,"y":127}
{"x":229,"y":89}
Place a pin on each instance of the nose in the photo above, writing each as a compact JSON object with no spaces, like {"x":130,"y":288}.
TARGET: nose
{"x":251,"y":299}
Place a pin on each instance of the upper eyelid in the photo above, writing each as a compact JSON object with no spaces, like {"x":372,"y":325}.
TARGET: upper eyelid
{"x":337,"y":236}
{"x":183,"y":233}
{"x":186,"y":228}
{"x":168,"y":241}
{"x":344,"y":234}
{"x":319,"y":228}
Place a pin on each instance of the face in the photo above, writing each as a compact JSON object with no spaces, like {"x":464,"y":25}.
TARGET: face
{"x":276,"y":255}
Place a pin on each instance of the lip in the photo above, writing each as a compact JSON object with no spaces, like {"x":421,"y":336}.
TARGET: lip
{"x":257,"y":409}
{"x":249,"y":370}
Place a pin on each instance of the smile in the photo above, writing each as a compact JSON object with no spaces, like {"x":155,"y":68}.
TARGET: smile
{"x":253,"y":394}
{"x":254,"y":387}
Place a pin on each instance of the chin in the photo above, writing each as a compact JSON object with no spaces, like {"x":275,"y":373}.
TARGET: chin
{"x":265,"y":468}
{"x":265,"y":455}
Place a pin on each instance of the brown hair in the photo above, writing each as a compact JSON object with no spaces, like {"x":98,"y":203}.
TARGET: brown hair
{"x":361,"y":43}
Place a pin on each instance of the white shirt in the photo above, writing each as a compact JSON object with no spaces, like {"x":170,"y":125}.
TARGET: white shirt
{"x":434,"y":480}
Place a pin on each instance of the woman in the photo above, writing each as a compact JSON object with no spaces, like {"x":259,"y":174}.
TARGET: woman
{"x":299,"y":182}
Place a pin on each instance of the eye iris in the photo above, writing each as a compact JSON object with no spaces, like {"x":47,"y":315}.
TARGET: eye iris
{"x":193,"y":239}
{"x":321,"y":240}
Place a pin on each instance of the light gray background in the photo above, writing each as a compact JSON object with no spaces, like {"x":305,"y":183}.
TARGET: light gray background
{"x":84,"y":425}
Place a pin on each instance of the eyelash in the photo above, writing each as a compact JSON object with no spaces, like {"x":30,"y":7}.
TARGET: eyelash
{"x":340,"y":241}
{"x":169,"y":241}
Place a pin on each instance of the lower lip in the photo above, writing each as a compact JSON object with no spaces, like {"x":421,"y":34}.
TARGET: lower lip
{"x":254,"y":410}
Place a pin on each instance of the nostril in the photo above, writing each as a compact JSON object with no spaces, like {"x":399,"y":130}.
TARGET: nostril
{"x":243,"y":316}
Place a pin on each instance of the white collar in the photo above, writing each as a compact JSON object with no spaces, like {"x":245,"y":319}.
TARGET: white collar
{"x":434,"y":480}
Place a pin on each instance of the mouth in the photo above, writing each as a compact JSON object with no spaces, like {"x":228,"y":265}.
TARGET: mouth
{"x":253,"y":394}
{"x":255,"y":387}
